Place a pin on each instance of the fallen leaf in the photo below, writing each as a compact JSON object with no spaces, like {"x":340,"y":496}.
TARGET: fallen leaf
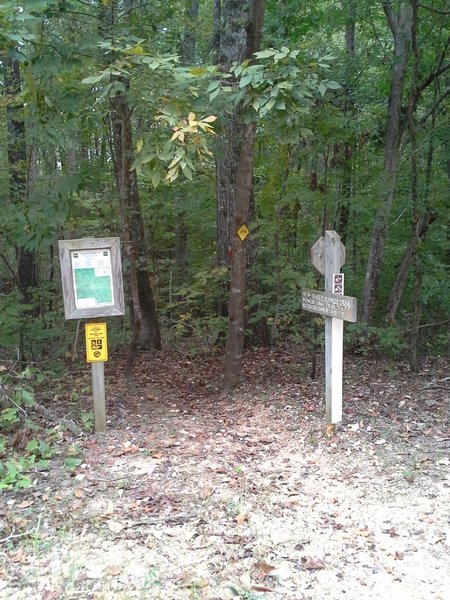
{"x":25,"y":504}
{"x":115,"y":526}
{"x":95,"y":572}
{"x":19,"y":556}
{"x":264,"y":567}
{"x":241,"y":518}
{"x":330,"y":430}
{"x":262,"y":588}
{"x":391,"y":531}
{"x":109,"y":509}
{"x":206,"y":492}
{"x":363,"y":532}
{"x":312,"y":564}
{"x":131,"y":448}
{"x":113,"y":569}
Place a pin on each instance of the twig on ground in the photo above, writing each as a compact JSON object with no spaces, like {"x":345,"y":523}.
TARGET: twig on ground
{"x":167,"y":518}
{"x":67,"y":423}
{"x":14,"y":536}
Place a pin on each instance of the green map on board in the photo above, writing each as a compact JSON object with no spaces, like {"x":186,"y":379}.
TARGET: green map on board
{"x":89,"y":286}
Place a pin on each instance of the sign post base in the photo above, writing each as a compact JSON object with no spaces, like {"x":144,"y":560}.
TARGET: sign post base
{"x":98,"y":388}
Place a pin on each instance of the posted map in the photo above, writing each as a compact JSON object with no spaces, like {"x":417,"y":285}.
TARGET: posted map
{"x":92,"y":277}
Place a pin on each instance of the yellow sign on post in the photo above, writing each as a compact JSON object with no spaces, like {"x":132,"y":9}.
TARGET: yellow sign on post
{"x":96,"y":342}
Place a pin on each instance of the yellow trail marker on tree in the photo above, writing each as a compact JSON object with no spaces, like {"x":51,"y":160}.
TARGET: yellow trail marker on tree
{"x":243,"y":232}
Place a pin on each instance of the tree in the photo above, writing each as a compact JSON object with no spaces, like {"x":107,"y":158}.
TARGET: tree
{"x":145,"y":328}
{"x":400,"y":23}
{"x":250,"y":20}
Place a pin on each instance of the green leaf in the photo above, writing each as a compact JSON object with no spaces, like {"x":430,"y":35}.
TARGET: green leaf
{"x":265,"y":53}
{"x":33,"y":445}
{"x":93,"y":79}
{"x":245,"y":80}
{"x":71,"y":463}
{"x":214,"y":94}
{"x":212,"y":86}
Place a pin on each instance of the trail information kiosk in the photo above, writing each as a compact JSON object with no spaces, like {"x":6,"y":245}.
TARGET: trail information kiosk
{"x":91,"y":274}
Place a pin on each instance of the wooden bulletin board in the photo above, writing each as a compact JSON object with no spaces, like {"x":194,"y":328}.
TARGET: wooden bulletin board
{"x":91,"y":274}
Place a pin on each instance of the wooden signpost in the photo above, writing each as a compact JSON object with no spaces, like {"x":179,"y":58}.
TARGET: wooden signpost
{"x":91,"y":274}
{"x":328,"y":256}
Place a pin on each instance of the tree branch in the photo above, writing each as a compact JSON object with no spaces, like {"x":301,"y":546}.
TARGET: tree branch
{"x":434,"y":10}
{"x":390,"y":16}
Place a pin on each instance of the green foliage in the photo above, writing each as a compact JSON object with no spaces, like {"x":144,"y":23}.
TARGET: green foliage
{"x":320,"y":111}
{"x":16,"y":401}
{"x":390,"y":341}
{"x":87,"y":418}
{"x":74,"y":458}
{"x":12,"y":473}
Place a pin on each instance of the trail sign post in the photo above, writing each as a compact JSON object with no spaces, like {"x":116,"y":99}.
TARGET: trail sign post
{"x":91,"y":275}
{"x":328,"y":256}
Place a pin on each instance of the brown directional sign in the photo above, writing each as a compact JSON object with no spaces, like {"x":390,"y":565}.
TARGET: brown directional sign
{"x":330,"y":305}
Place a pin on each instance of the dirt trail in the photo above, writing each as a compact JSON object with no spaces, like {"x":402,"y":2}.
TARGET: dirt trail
{"x":186,"y":497}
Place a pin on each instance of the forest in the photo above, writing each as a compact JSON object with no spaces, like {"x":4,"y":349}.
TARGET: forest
{"x":172,"y":124}
{"x":218,"y":141}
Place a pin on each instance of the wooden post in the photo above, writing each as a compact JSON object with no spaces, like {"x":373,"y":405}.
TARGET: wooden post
{"x":98,"y":387}
{"x":334,"y":332}
{"x":328,"y":256}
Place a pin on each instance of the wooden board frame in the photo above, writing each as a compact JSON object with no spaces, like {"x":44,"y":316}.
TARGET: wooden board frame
{"x":66,"y":247}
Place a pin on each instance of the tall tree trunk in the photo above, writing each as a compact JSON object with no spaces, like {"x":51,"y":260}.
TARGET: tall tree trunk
{"x":421,"y":215}
{"x":145,"y":326}
{"x":27,"y":272}
{"x":190,"y":33}
{"x":401,"y":24}
{"x":181,"y":230}
{"x":230,"y":17}
{"x":236,"y":307}
{"x":249,"y":16}
{"x":349,"y":7}
{"x":144,"y":322}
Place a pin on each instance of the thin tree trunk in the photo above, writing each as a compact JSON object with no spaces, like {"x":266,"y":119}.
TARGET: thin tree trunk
{"x":349,"y":7}
{"x":190,"y":34}
{"x":230,"y":18}
{"x":27,"y":273}
{"x":402,"y":274}
{"x":401,"y":24}
{"x":144,"y":322}
{"x":181,"y":231}
{"x":421,"y":217}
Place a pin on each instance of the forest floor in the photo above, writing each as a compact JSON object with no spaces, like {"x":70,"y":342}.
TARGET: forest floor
{"x":191,"y":497}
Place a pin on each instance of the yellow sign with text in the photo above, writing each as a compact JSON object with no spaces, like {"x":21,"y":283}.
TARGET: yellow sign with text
{"x":96,"y":342}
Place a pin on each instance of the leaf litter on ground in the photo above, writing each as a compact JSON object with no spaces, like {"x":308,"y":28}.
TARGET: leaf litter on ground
{"x":187,"y":496}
